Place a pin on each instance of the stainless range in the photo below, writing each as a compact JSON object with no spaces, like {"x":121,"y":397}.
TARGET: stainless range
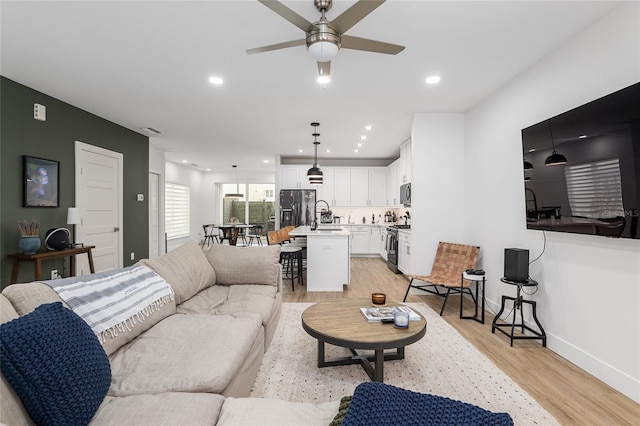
{"x":392,"y":247}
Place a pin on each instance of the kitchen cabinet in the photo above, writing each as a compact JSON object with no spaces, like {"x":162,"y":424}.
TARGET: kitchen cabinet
{"x":295,"y":177}
{"x":360,"y":239}
{"x":382,"y":245}
{"x":404,"y":252}
{"x":393,"y":183}
{"x":336,"y":187}
{"x":405,"y":162}
{"x":368,"y":187}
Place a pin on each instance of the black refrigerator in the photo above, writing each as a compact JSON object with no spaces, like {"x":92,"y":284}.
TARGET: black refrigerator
{"x":297,"y":207}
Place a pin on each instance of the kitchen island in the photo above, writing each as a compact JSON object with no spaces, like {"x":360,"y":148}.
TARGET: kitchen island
{"x":328,"y":257}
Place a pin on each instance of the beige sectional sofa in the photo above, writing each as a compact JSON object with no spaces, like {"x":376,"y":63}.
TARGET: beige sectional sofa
{"x":193,"y":360}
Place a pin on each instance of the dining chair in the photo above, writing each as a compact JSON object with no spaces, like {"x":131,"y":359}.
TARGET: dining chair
{"x":210,"y":234}
{"x":255,"y":234}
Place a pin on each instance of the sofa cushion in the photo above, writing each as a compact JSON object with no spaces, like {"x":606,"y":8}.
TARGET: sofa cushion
{"x":206,"y":302}
{"x":186,"y":268}
{"x":184,"y":353}
{"x":28,"y":296}
{"x":56,"y":364}
{"x":274,"y":412}
{"x":245,"y":265}
{"x":168,"y":409}
{"x":258,"y":299}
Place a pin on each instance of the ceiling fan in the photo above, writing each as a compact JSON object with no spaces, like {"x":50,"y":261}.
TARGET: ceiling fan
{"x":325,"y":38}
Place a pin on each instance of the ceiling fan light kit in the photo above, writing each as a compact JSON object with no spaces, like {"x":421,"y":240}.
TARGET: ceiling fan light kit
{"x":325,"y":38}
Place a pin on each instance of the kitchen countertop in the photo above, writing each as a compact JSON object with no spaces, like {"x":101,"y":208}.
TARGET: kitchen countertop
{"x":330,"y":230}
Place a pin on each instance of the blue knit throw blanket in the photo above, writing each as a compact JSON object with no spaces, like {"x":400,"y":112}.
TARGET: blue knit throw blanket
{"x":377,"y":404}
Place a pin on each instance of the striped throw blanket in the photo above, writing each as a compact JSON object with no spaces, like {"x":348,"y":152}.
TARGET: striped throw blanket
{"x":116,"y":300}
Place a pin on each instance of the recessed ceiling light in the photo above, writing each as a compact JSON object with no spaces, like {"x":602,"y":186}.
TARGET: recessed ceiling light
{"x":582,"y":137}
{"x":208,"y":170}
{"x":323,"y":79}
{"x":368,"y":127}
{"x":359,"y":145}
{"x":356,"y":150}
{"x":363,"y":137}
{"x":532,"y":150}
{"x":301,"y":150}
{"x":433,"y":79}
{"x":265,"y":161}
{"x":185,"y":161}
{"x":328,"y":150}
{"x":215,"y":80}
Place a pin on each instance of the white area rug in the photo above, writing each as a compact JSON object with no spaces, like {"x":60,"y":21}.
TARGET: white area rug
{"x":441,"y":363}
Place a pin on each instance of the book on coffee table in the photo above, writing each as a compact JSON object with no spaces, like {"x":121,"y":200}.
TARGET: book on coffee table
{"x":373,"y":314}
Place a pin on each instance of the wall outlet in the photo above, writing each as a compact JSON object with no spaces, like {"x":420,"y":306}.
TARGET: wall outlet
{"x":39,"y":112}
{"x":133,"y":255}
{"x":54,"y":274}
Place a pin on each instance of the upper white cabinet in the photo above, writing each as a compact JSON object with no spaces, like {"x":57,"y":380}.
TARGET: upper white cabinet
{"x":295,"y":177}
{"x":405,"y":162}
{"x":378,"y":187}
{"x":393,"y":183}
{"x":336,"y":187}
{"x":368,"y":187}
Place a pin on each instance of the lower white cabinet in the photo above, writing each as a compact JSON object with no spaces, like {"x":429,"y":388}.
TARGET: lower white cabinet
{"x":360,"y":239}
{"x":382,"y":244}
{"x":404,"y":252}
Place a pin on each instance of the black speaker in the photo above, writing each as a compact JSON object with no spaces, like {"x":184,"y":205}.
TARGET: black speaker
{"x":516,"y":264}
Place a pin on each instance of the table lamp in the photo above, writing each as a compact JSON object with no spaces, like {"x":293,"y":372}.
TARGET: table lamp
{"x":73,"y":218}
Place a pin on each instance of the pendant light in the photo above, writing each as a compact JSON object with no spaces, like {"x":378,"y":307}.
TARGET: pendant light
{"x":527,"y":165}
{"x":554,"y":159}
{"x":237,"y":194}
{"x":314,"y":174}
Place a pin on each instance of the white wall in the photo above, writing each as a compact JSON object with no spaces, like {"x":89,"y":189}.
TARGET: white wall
{"x":437,"y":185}
{"x":589,"y":293}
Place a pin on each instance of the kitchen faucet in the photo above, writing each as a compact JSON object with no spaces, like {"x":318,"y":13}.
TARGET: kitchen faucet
{"x":314,"y":224}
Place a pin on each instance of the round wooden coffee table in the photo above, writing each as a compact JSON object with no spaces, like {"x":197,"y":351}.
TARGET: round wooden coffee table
{"x":342,"y":324}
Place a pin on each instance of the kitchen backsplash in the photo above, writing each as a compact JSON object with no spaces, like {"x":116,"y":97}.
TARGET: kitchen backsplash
{"x":358,"y":213}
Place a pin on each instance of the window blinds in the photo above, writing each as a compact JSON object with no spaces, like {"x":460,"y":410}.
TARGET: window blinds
{"x":177,"y":202}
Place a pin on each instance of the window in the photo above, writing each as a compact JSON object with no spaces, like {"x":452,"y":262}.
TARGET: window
{"x":177,"y":210}
{"x":594,"y":189}
{"x":268,"y":193}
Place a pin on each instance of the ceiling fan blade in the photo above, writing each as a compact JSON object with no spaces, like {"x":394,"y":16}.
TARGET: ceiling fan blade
{"x":277,"y":46}
{"x":288,"y":14}
{"x":324,"y":68}
{"x":354,"y":14}
{"x":357,"y":43}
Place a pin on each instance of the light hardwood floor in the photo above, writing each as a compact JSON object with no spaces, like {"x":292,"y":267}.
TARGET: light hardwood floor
{"x":570,"y":394}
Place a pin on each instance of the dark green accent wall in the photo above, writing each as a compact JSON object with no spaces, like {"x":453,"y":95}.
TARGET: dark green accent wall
{"x":54,"y":139}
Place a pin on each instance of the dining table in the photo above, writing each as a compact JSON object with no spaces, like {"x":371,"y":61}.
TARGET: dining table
{"x":231,"y":232}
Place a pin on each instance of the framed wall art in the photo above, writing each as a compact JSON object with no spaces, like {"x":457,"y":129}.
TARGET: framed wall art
{"x":40,"y":182}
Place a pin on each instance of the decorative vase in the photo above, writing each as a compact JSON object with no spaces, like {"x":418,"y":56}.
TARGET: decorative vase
{"x":29,"y":245}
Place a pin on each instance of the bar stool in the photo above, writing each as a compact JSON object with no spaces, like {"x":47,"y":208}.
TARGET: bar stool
{"x":288,"y":254}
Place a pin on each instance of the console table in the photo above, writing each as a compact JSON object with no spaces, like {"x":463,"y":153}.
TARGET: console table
{"x":518,"y":301}
{"x":37,"y":258}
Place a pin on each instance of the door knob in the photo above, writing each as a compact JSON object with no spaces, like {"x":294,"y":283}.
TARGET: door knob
{"x":116,"y":229}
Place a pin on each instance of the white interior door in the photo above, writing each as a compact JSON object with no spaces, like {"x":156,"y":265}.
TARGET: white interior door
{"x":154,"y":215}
{"x":99,"y":201}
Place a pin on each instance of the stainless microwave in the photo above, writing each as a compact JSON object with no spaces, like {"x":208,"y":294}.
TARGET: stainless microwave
{"x":405,"y":195}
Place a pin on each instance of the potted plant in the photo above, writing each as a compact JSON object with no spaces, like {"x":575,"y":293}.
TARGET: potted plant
{"x":29,"y":233}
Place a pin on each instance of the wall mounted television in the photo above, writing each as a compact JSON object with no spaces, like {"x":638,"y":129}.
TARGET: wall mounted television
{"x":582,"y":168}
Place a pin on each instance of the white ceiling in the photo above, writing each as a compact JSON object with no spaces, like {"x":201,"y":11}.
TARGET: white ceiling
{"x":146,"y":64}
